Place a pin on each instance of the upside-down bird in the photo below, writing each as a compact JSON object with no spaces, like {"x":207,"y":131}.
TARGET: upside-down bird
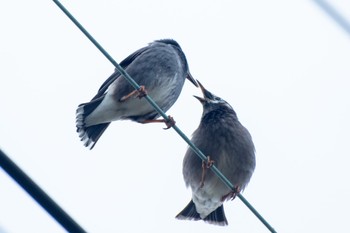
{"x":159,"y":68}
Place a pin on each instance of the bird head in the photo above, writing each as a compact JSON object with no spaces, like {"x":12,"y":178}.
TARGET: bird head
{"x":177,"y":46}
{"x":211,"y":102}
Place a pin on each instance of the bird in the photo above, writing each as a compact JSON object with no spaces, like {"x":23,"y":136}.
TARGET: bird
{"x":160,"y":68}
{"x":229,"y":146}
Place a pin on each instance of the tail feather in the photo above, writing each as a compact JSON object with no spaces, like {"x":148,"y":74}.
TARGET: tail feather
{"x":89,"y":135}
{"x":189,"y":213}
{"x":216,"y":217}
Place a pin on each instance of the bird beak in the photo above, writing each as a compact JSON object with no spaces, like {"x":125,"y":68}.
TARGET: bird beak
{"x":200,"y":99}
{"x":206,"y":94}
{"x":189,"y":77}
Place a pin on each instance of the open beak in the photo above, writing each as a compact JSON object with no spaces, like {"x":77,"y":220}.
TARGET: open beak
{"x":189,"y":77}
{"x":200,"y":99}
{"x":206,"y":94}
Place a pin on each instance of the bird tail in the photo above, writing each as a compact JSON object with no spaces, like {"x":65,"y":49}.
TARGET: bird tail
{"x":189,"y":213}
{"x":89,"y":135}
{"x":216,"y":217}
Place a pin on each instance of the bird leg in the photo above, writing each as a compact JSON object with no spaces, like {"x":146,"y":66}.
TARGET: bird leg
{"x":205,"y":165}
{"x":232,"y":195}
{"x":169,"y":123}
{"x":141,"y":92}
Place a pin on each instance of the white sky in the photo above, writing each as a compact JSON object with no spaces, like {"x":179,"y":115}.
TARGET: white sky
{"x":283,"y":65}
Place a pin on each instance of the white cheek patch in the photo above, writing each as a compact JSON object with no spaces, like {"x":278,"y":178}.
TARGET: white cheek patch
{"x":217,"y":101}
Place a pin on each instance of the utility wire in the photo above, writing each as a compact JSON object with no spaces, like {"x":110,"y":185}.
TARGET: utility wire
{"x":160,"y":111}
{"x":332,"y":12}
{"x":39,"y":195}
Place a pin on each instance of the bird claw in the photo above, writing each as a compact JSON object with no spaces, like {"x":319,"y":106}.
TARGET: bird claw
{"x":205,"y":165}
{"x":169,"y":123}
{"x":231,"y":195}
{"x":140,"y":93}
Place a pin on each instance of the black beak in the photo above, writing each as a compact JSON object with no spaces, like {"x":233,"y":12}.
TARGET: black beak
{"x":189,"y":77}
{"x":206,"y":94}
{"x":200,"y":99}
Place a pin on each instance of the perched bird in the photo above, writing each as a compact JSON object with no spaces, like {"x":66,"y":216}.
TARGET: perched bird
{"x":159,"y":68}
{"x":228,"y":145}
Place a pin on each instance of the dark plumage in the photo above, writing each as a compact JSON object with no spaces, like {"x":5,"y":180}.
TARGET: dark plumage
{"x":228,"y":143}
{"x":161,"y":67}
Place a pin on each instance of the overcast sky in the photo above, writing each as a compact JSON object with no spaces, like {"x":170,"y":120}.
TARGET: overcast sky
{"x":284,"y":66}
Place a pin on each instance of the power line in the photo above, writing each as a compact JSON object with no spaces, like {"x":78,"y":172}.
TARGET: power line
{"x":332,"y":12}
{"x":38,"y":194}
{"x":150,"y":100}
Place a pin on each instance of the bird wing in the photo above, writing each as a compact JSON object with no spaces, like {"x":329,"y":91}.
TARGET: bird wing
{"x":124,"y":64}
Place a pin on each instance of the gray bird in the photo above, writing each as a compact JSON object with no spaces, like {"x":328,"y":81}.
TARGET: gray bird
{"x":228,"y":145}
{"x":159,"y":68}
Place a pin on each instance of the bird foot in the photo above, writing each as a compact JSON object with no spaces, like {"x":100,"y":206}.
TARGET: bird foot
{"x":169,"y":123}
{"x":140,"y":93}
{"x":231,"y":195}
{"x":205,"y":165}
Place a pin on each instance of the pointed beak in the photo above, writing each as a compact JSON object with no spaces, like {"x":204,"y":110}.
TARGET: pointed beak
{"x":189,"y":77}
{"x":206,"y":94}
{"x":200,"y":99}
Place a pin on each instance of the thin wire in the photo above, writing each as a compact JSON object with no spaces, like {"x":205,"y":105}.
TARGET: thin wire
{"x":160,"y":111}
{"x":38,"y":194}
{"x":109,"y":57}
{"x":332,"y":12}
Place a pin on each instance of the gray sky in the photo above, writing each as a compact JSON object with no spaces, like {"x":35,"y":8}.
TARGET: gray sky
{"x":282,"y":65}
